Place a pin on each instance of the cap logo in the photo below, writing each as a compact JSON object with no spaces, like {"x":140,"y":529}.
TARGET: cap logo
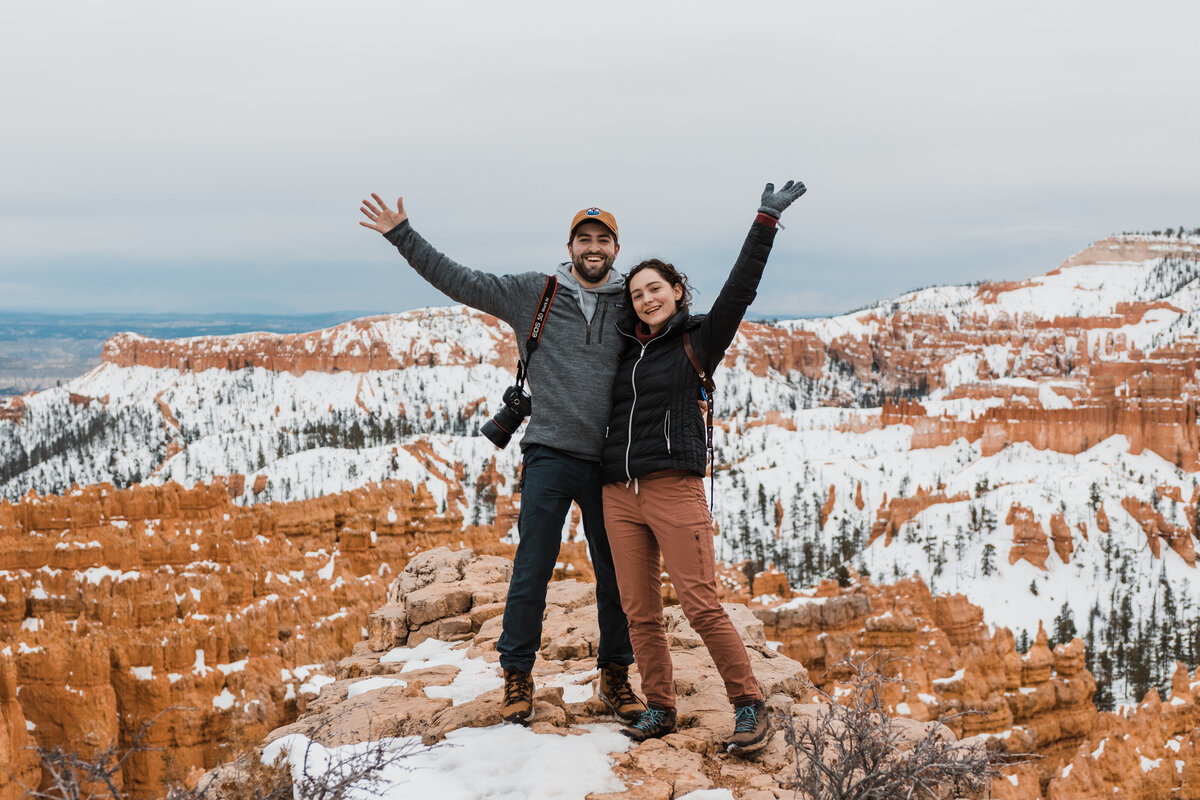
{"x":594,"y":212}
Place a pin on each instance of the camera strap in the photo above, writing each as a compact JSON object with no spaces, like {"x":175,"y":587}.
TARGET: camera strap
{"x":538,"y":326}
{"x":710,"y":391}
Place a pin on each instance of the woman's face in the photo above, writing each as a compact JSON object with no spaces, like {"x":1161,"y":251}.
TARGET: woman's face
{"x":654,"y":299}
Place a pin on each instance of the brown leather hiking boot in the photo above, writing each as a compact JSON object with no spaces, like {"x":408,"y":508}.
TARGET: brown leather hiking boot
{"x":518,"y":696}
{"x":751,"y":727}
{"x":617,"y":694}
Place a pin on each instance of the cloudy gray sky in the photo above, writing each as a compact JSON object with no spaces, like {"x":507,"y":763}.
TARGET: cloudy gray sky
{"x":211,"y":156}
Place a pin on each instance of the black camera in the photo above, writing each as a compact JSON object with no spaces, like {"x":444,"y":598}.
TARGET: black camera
{"x":500,"y":428}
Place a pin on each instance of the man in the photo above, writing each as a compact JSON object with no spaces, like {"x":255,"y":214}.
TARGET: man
{"x":570,"y":378}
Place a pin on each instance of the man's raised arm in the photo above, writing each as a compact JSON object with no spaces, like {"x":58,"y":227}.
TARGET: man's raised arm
{"x":503,"y":296}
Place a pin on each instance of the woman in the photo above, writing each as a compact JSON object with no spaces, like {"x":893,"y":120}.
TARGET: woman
{"x":654,"y":462}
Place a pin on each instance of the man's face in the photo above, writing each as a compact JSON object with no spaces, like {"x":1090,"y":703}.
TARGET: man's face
{"x":593,"y":250}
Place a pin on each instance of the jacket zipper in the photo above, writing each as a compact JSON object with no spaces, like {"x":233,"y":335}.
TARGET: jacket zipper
{"x":667,"y":429}
{"x":633,"y":384}
{"x":588,"y":322}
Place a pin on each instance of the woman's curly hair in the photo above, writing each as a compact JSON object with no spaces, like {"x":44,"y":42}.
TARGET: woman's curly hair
{"x":668,"y":273}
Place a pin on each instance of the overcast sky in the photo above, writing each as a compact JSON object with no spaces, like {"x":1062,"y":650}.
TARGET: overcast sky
{"x":211,"y":156}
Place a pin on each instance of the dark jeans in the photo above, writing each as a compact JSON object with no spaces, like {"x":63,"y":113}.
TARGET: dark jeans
{"x":552,"y":479}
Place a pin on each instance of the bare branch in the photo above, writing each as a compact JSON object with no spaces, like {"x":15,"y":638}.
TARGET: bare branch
{"x":851,"y":750}
{"x":70,"y":776}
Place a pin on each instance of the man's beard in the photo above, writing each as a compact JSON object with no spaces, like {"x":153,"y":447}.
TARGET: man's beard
{"x":593,"y":273}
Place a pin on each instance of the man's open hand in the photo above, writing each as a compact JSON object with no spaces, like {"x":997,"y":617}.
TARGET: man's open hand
{"x":382,"y":218}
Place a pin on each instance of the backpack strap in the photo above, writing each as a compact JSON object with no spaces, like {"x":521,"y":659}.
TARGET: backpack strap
{"x":705,"y":379}
{"x":708,"y":394}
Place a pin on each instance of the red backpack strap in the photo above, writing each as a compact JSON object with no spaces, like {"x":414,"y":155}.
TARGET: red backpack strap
{"x":710,"y":389}
{"x":705,"y":379}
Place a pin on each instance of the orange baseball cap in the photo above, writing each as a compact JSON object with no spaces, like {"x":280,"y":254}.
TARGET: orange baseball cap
{"x":594,"y":214}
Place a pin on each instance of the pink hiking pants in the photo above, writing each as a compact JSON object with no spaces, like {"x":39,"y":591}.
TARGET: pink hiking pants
{"x":667,"y":513}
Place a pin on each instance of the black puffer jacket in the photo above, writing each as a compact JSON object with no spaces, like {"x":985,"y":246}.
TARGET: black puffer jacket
{"x":655,"y":423}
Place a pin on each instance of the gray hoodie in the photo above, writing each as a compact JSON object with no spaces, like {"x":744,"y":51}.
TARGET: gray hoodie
{"x":571,"y":374}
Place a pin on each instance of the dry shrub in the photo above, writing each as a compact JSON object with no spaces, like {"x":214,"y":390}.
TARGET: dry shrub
{"x":70,"y":776}
{"x":851,"y":750}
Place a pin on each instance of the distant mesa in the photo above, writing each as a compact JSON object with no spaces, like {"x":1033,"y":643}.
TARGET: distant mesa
{"x":428,"y":337}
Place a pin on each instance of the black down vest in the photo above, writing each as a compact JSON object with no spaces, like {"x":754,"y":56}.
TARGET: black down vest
{"x":656,"y":423}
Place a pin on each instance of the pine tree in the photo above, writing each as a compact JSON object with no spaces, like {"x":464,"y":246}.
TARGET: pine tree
{"x":987,"y":518}
{"x":1141,"y":667}
{"x":1103,"y":672}
{"x":808,"y":563}
{"x":1064,"y":626}
{"x":987,"y":564}
{"x":743,"y":526}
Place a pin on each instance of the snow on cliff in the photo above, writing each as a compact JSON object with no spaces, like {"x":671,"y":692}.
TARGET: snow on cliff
{"x":1049,"y":468}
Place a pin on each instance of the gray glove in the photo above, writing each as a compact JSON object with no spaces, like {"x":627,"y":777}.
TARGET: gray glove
{"x":773,"y":202}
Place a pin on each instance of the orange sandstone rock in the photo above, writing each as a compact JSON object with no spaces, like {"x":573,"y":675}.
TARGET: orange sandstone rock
{"x":13,"y":408}
{"x":1178,"y":538}
{"x":949,"y":663}
{"x":121,"y":604}
{"x":15,"y":742}
{"x":1060,"y":532}
{"x":894,"y":513}
{"x":1029,"y":539}
{"x":355,"y":346}
{"x":827,"y":506}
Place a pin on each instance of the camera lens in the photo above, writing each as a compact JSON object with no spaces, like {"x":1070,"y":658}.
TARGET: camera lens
{"x":500,"y":428}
